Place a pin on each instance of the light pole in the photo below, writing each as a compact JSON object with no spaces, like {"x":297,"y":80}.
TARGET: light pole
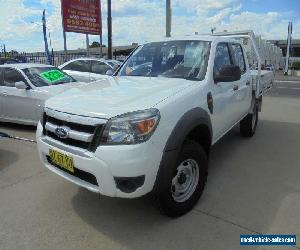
{"x":109,"y":30}
{"x":168,"y":18}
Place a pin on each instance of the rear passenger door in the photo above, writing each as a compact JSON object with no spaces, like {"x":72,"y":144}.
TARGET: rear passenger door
{"x":243,"y":95}
{"x":223,"y":93}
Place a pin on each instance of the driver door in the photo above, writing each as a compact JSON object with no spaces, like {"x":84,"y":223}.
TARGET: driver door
{"x":17,"y":104}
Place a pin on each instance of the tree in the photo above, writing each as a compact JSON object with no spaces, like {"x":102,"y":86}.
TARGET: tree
{"x":95,"y":45}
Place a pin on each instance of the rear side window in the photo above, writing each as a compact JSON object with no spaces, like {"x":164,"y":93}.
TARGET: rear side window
{"x":222,"y":57}
{"x":80,"y":65}
{"x":100,"y":67}
{"x":11,"y":76}
{"x":238,"y":56}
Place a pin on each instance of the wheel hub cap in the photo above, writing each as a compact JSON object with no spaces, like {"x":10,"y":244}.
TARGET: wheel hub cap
{"x":185,"y":181}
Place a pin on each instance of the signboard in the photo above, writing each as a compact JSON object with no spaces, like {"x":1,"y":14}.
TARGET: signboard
{"x":82,"y":16}
{"x":52,"y":75}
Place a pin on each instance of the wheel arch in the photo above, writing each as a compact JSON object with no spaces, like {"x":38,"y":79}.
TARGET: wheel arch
{"x":194,"y":125}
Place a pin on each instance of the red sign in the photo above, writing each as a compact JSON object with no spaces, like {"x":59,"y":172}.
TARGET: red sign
{"x":82,"y":16}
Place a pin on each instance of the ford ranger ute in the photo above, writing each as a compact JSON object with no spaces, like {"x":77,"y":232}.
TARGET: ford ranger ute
{"x":149,"y":128}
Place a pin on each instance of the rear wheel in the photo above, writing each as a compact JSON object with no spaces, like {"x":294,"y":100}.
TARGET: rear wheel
{"x":185,"y":182}
{"x":249,"y":123}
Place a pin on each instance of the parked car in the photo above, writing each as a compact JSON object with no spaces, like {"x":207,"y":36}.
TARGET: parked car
{"x":25,"y":87}
{"x":270,"y":67}
{"x":113,"y":63}
{"x":89,"y":69}
{"x":8,"y":61}
{"x":151,"y":126}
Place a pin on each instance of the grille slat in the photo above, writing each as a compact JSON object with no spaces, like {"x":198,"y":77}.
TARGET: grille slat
{"x":94,"y":130}
{"x":74,"y":126}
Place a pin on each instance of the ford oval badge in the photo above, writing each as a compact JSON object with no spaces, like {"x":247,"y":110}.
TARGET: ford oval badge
{"x":62,"y":132}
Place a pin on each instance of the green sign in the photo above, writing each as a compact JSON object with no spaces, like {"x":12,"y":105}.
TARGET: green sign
{"x":52,"y":75}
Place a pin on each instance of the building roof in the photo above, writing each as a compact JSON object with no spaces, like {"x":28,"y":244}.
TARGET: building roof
{"x":295,"y":42}
{"x":25,"y":65}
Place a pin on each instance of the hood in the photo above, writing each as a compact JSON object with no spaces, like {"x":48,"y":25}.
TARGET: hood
{"x":117,"y":95}
{"x":57,"y":89}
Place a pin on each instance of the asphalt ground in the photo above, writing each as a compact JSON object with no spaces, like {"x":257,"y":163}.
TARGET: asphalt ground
{"x":253,"y":188}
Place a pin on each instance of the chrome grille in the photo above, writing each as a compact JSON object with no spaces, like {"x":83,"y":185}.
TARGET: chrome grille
{"x":79,"y":135}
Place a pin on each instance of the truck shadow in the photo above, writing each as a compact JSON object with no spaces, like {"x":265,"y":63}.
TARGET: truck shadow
{"x":17,"y":127}
{"x":248,"y":181}
{"x":250,"y":177}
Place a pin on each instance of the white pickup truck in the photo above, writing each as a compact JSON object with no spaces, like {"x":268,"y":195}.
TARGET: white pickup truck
{"x":149,"y":128}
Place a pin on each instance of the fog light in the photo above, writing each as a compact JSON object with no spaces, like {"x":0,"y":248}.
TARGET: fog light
{"x":129,"y":184}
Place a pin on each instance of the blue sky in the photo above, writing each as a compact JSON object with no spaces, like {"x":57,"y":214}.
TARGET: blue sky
{"x":141,"y":20}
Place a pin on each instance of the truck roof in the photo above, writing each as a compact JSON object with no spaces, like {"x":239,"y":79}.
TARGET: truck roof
{"x":208,"y":38}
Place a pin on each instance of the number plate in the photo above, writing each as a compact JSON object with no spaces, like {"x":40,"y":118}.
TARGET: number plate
{"x":62,"y":160}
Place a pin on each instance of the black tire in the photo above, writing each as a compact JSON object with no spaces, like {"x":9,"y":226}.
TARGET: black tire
{"x":191,"y":151}
{"x":249,"y":123}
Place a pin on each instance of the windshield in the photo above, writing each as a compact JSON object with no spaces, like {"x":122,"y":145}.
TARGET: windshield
{"x":47,"y":76}
{"x":174,"y":59}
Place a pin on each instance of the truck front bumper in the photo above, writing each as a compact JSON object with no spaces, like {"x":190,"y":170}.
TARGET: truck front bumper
{"x":110,"y":167}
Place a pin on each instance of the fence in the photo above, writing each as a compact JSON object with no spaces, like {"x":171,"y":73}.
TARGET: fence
{"x":56,"y":58}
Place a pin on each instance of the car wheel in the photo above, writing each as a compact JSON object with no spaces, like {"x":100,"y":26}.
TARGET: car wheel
{"x":185,"y":182}
{"x":249,"y":123}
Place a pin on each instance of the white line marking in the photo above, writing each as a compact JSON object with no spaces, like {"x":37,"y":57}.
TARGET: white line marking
{"x":295,"y":81}
{"x":285,"y":88}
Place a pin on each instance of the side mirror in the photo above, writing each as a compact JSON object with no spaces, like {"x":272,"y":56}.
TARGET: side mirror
{"x":21,"y":85}
{"x":109,"y":72}
{"x":228,"y":73}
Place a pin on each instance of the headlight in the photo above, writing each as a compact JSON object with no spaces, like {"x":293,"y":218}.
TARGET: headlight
{"x":130,"y":128}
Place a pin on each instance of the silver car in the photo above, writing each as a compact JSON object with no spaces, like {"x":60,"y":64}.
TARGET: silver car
{"x":89,"y":69}
{"x":25,"y":87}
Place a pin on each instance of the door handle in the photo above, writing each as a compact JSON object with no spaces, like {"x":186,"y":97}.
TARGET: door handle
{"x":247,"y":83}
{"x":4,"y":93}
{"x":235,"y":87}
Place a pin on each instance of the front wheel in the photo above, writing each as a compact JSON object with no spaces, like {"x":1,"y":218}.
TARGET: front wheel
{"x":249,"y":123}
{"x":185,"y":182}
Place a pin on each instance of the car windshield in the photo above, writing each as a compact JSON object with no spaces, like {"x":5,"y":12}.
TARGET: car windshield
{"x":47,"y":76}
{"x":175,"y":59}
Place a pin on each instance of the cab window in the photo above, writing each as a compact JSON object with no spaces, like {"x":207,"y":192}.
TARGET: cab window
{"x":238,"y":56}
{"x":222,"y":57}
